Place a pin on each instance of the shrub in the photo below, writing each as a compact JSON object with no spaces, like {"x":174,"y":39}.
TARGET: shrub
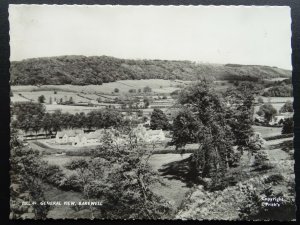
{"x":79,"y":152}
{"x":252,"y":205}
{"x":274,"y":179}
{"x":77,"y":164}
{"x":261,"y":161}
{"x":254,"y":209}
{"x":260,"y":100}
{"x":52,"y":174}
{"x":71,"y":183}
{"x":256,"y":142}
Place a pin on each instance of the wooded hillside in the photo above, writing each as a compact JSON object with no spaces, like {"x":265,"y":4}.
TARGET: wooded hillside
{"x":82,"y":70}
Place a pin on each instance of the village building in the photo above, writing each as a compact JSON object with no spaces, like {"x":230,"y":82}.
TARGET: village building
{"x":91,"y":138}
{"x":67,"y":136}
{"x":148,"y":136}
{"x":155,"y":136}
{"x":278,"y":119}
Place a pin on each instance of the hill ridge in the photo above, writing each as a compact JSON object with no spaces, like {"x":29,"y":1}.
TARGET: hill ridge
{"x":84,"y":70}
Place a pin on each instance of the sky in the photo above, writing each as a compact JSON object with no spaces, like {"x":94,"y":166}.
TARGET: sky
{"x":207,"y":34}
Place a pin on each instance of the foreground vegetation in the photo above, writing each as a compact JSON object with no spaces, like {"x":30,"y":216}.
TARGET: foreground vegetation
{"x":230,"y":160}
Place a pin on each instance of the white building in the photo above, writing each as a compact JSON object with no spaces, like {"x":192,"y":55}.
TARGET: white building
{"x":87,"y":139}
{"x":67,"y":136}
{"x":280,"y":118}
{"x":155,"y":136}
{"x":148,"y":136}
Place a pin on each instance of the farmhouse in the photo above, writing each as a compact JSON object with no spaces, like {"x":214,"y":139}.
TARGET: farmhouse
{"x":67,"y":136}
{"x":280,"y":118}
{"x":148,"y":136}
{"x":87,"y":139}
{"x":155,"y":136}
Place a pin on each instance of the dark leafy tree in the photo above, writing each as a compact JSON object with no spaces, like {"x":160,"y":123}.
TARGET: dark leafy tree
{"x":239,"y":114}
{"x":288,"y":126}
{"x":215,"y":152}
{"x":146,"y":102}
{"x":186,"y":127}
{"x":41,"y":99}
{"x":287,"y":107}
{"x":159,"y":120}
{"x":71,"y":101}
{"x":56,"y":122}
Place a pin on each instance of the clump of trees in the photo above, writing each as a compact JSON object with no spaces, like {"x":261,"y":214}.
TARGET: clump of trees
{"x":147,"y":89}
{"x":132,"y":91}
{"x":287,"y":107}
{"x":203,"y":121}
{"x":159,"y":120}
{"x":279,"y":91}
{"x":32,"y":117}
{"x":267,"y":111}
{"x":216,"y":123}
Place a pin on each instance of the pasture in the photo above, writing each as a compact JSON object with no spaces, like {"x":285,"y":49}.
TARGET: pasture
{"x":159,"y":85}
{"x":71,"y":108}
{"x":267,"y":131}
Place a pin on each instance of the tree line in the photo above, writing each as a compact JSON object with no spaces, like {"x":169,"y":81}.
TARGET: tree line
{"x":279,"y":91}
{"x":32,"y":117}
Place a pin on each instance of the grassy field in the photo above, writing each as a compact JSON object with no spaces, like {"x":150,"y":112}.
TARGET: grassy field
{"x":60,"y":160}
{"x":268,"y":131}
{"x":107,"y":88}
{"x":277,"y":99}
{"x":72,"y":109}
{"x":66,"y":91}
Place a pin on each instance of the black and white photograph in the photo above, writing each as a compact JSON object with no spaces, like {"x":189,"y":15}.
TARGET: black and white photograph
{"x":151,"y":112}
